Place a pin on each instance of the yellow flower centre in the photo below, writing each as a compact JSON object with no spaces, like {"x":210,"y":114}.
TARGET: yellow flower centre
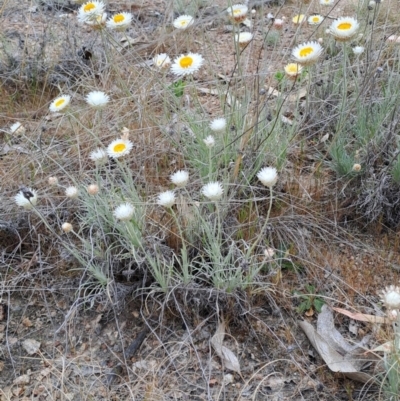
{"x":315,"y":19}
{"x":292,"y":68}
{"x":306,"y":51}
{"x":59,"y":102}
{"x":186,"y":62}
{"x":237,"y":11}
{"x":183,"y":23}
{"x":89,"y":7}
{"x":119,"y":147}
{"x":119,"y":18}
{"x":344,"y":26}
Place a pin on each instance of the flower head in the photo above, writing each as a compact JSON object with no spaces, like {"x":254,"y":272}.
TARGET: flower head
{"x":97,"y":99}
{"x":119,"y":147}
{"x":187,"y":64}
{"x":293,"y":70}
{"x":183,"y":22}
{"x":99,"y":156}
{"x":237,"y":13}
{"x":27,"y":198}
{"x":315,"y":19}
{"x":119,"y":21}
{"x":344,"y":28}
{"x":307,"y":53}
{"x":299,"y":19}
{"x":212,"y":191}
{"x":60,"y":103}
{"x":218,"y":124}
{"x":268,"y":176}
{"x":17,"y":128}
{"x":326,"y":2}
{"x":90,"y":11}
{"x":166,"y":199}
{"x":356,"y":167}
{"x":67,"y":227}
{"x":278,"y":23}
{"x":357,"y":50}
{"x":93,"y":189}
{"x":391,"y":297}
{"x":161,"y":60}
{"x":71,"y":192}
{"x":243,"y":38}
{"x":124,"y":212}
{"x":209,"y":141}
{"x":98,"y":21}
{"x":180,"y":178}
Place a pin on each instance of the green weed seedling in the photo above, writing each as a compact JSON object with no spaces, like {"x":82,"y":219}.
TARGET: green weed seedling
{"x":309,"y":299}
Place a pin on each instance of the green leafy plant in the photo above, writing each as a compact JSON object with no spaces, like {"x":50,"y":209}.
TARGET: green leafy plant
{"x":309,"y":299}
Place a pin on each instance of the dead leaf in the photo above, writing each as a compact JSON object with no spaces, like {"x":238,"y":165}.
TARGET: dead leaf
{"x":362,"y":317}
{"x":272,"y":91}
{"x":31,"y":346}
{"x":26,"y":322}
{"x":228,"y":358}
{"x":386,"y":347}
{"x":301,"y":94}
{"x":286,"y":120}
{"x":333,"y":349}
{"x":310,"y":312}
{"x":21,"y":380}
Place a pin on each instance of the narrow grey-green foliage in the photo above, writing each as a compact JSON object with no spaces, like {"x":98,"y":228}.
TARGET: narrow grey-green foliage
{"x":395,"y":170}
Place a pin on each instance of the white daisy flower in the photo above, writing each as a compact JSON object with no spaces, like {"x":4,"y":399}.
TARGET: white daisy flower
{"x":60,"y":103}
{"x":119,"y":21}
{"x":315,"y":19}
{"x":237,"y":13}
{"x":166,"y":199}
{"x":326,"y":2}
{"x":293,"y":70}
{"x":97,"y":99}
{"x":344,"y":28}
{"x":98,"y":21}
{"x":119,"y":147}
{"x":391,"y":297}
{"x":67,"y":227}
{"x":17,"y":128}
{"x":357,"y":50}
{"x":26,"y":198}
{"x":99,"y":156}
{"x":299,"y":19}
{"x":71,"y":192}
{"x":124,"y":212}
{"x":218,"y":124}
{"x":212,"y":191}
{"x":209,"y":141}
{"x":162,"y":60}
{"x":90,"y":11}
{"x":180,"y":178}
{"x":307,"y":53}
{"x":187,"y":64}
{"x":183,"y":22}
{"x":268,"y":176}
{"x":243,"y":38}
